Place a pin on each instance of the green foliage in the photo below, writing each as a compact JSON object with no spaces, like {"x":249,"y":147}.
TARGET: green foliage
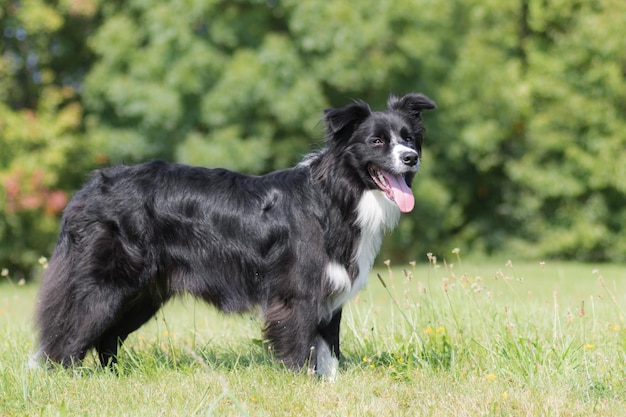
{"x":259,"y":75}
{"x":525,"y":152}
{"x":535,"y":139}
{"x":43,"y":153}
{"x":576,"y":164}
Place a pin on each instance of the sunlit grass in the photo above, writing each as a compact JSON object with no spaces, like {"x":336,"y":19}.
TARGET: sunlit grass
{"x":434,"y":337}
{"x":539,"y":327}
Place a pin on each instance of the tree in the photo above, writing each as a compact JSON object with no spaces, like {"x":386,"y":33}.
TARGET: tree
{"x":524,"y":154}
{"x":539,"y":97}
{"x":573,"y":176}
{"x":242,"y":85}
{"x":43,"y":153}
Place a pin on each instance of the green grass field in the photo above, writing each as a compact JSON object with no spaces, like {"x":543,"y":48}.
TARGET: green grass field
{"x":489,"y":338}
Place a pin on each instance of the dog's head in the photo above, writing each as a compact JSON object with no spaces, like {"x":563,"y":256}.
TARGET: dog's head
{"x":384,"y":148}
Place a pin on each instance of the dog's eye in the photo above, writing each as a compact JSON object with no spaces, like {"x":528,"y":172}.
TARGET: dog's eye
{"x":378,"y":141}
{"x":409,"y":139}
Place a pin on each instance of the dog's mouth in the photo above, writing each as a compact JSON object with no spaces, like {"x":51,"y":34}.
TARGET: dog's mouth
{"x":394,"y":187}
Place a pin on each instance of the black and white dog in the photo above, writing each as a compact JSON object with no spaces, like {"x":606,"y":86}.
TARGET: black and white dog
{"x":298,"y":242}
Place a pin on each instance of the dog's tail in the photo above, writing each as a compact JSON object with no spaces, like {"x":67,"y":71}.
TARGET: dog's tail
{"x":52,"y":312}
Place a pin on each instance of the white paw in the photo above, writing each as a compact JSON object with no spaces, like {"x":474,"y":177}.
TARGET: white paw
{"x":327,"y":364}
{"x":34,"y":362}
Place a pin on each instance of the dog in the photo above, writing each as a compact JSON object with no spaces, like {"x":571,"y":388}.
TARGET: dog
{"x":296,"y":243}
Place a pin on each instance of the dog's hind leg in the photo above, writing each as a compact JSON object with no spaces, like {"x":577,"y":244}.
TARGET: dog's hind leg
{"x":292,"y":331}
{"x":69,"y":329}
{"x":75,"y":308}
{"x":140,"y":311}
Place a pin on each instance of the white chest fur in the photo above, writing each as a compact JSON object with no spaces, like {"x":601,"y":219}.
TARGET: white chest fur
{"x":375,"y":214}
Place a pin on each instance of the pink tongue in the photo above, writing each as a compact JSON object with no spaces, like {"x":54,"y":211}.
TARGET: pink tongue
{"x":401,"y":192}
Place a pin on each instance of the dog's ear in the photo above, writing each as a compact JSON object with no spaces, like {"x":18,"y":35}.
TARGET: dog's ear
{"x":411,"y":105}
{"x":344,"y":121}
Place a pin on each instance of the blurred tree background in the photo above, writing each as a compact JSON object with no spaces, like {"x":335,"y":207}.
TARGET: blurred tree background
{"x":526,"y":153}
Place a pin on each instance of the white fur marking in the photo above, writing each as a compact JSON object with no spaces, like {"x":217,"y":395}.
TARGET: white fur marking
{"x":397,"y":151}
{"x":34,"y":362}
{"x":341,"y":286}
{"x":338,"y":277}
{"x":376,"y":213}
{"x":327,"y":364}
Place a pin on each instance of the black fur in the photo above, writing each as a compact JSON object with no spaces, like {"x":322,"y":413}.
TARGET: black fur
{"x":135,"y":236}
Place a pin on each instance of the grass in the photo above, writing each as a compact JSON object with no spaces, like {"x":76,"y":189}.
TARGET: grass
{"x":454,"y":338}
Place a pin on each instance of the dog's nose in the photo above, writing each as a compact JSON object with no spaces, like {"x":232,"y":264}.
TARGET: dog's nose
{"x":409,"y":158}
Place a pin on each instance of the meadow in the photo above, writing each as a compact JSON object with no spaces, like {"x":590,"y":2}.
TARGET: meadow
{"x":429,"y":338}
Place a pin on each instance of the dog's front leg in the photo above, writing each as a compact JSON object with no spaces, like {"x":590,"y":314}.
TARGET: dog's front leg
{"x":327,"y":347}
